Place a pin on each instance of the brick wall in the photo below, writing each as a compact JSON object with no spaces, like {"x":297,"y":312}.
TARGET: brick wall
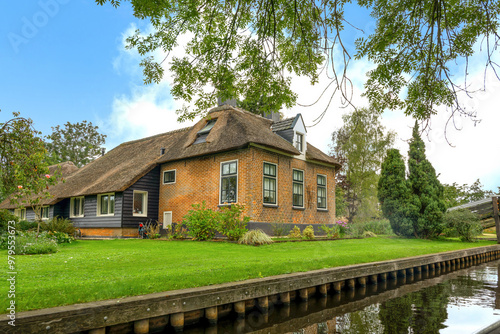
{"x":198,"y":179}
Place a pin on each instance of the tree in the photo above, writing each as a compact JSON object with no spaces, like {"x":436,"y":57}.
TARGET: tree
{"x":360,"y":145}
{"x":24,"y":172}
{"x":394,"y":194}
{"x":427,"y":193}
{"x":77,"y":142}
{"x":455,"y":194}
{"x":249,"y":50}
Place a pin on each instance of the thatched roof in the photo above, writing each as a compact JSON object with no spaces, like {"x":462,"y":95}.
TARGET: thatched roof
{"x":115,"y":171}
{"x":235,"y":128}
{"x":121,"y":167}
{"x":67,"y":168}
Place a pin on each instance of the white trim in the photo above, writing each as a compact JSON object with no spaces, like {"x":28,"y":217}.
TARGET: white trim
{"x":326,"y":192}
{"x":167,"y":213}
{"x":220,"y":180}
{"x":303,"y":188}
{"x":19,"y":213}
{"x":98,"y":213}
{"x":48,"y":212}
{"x":72,"y":207}
{"x":276,"y":178}
{"x":163,"y":176}
{"x":297,"y":134}
{"x":144,"y":203}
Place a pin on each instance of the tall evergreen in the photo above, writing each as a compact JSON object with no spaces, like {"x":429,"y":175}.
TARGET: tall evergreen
{"x":394,"y":194}
{"x":427,"y":194}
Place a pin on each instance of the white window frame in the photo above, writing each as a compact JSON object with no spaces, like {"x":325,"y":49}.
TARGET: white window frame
{"x":72,"y":207}
{"x":270,"y":177}
{"x":220,"y":182}
{"x":99,"y":214}
{"x":326,"y":191}
{"x":165,"y":214}
{"x":20,"y":213}
{"x":166,"y":171}
{"x":299,"y":135}
{"x":45,"y":207}
{"x":144,"y":203}
{"x":303,"y":187}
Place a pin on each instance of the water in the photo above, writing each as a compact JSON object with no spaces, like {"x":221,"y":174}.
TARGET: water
{"x":458,"y":301}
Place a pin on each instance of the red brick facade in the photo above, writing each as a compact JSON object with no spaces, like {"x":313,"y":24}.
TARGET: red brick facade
{"x":198,"y":179}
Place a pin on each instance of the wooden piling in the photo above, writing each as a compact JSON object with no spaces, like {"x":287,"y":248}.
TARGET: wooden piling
{"x":101,"y":330}
{"x":240,"y":308}
{"x":323,"y":289}
{"x":141,"y":326}
{"x":211,"y":315}
{"x":177,"y":321}
{"x":304,"y":294}
{"x":285,"y":298}
{"x":263,"y":303}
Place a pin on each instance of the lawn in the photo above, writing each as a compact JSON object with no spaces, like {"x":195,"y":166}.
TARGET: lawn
{"x":103,"y":269}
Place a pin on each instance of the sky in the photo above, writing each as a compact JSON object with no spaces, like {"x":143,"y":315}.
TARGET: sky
{"x":65,"y":61}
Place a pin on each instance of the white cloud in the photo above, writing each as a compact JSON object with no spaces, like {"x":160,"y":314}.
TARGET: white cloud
{"x":147,"y":109}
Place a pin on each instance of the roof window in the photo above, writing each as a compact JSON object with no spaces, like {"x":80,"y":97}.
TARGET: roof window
{"x":203,"y":133}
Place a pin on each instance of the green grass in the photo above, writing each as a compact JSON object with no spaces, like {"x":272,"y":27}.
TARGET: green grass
{"x":103,"y":269}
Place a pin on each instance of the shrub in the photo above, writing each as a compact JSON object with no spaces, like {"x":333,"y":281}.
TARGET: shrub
{"x":61,"y":237}
{"x":179,"y":231}
{"x":25,"y":225}
{"x":369,"y":234}
{"x":382,"y":226}
{"x":295,"y":233}
{"x":230,"y":223}
{"x":279,"y":229}
{"x":5,"y":217}
{"x":58,"y":224}
{"x":255,"y":237}
{"x":201,"y":222}
{"x":356,"y":230}
{"x":29,"y":243}
{"x":308,"y":232}
{"x":465,"y":223}
{"x":153,"y":230}
{"x":331,"y":232}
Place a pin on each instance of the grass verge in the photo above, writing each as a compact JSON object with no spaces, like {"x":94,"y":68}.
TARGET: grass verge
{"x":103,"y":269}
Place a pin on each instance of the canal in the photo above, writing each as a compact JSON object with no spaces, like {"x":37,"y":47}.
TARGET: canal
{"x":446,"y":300}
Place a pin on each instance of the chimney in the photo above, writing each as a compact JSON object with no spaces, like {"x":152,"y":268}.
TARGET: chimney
{"x":274,"y":116}
{"x":231,"y":102}
{"x":103,"y":151}
{"x":162,"y":151}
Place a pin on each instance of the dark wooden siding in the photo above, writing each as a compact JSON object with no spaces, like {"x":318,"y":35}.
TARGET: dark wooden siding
{"x":287,"y":134}
{"x":91,"y":219}
{"x":30,"y":214}
{"x":150,"y":183}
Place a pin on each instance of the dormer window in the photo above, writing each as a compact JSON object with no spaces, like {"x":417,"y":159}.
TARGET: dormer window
{"x":201,"y":136}
{"x":299,"y":143}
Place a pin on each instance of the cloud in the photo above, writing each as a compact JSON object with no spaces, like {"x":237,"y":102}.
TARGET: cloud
{"x":145,"y":110}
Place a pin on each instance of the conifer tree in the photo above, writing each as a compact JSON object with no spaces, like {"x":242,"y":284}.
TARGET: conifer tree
{"x":394,"y":194}
{"x":427,"y":194}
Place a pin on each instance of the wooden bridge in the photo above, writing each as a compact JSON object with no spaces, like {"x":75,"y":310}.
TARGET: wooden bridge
{"x":488,"y":211}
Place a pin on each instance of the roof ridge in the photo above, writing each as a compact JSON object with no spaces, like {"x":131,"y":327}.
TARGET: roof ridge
{"x":157,"y":135}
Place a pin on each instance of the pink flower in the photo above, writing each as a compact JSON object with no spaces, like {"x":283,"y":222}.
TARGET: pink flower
{"x":19,"y":187}
{"x":47,"y":176}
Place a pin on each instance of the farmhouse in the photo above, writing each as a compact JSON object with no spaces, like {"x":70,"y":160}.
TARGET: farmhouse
{"x":230,"y":156}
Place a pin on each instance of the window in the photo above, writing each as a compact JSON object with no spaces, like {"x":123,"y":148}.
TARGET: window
{"x":20,"y":213}
{"x":269,"y":185}
{"x":299,"y":144}
{"x":298,"y":188}
{"x":106,"y":204}
{"x":169,"y":176}
{"x":76,"y":206}
{"x":229,"y":182}
{"x":140,"y":207}
{"x":45,"y":212}
{"x":201,"y":136}
{"x":321,"y":191}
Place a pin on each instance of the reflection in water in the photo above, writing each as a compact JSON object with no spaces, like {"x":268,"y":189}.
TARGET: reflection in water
{"x":440,"y":301}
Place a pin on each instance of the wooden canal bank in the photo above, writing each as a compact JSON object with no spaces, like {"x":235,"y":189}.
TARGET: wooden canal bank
{"x":153,"y":312}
